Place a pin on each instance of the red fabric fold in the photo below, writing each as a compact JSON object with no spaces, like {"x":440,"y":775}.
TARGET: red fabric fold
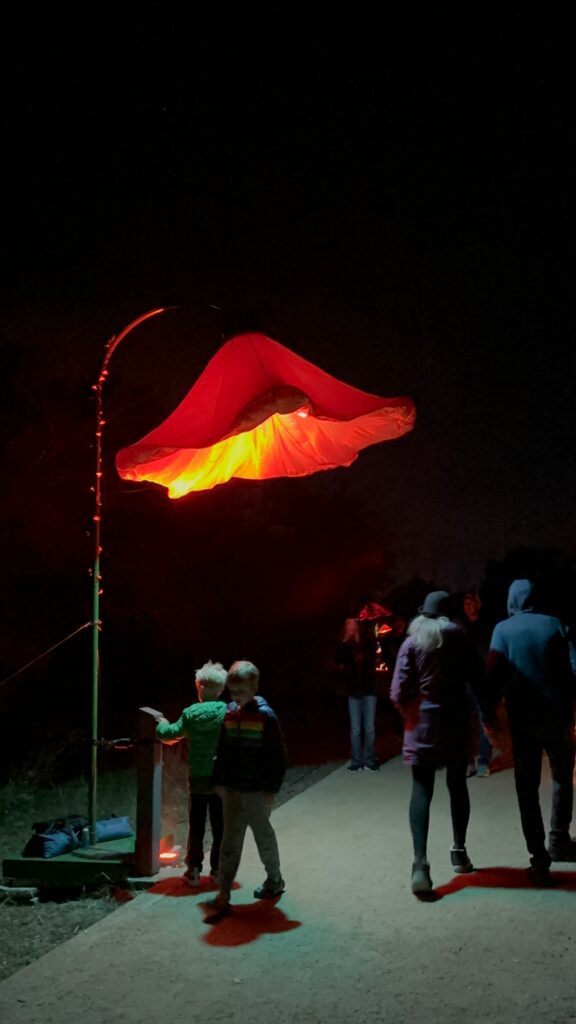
{"x":257,"y":411}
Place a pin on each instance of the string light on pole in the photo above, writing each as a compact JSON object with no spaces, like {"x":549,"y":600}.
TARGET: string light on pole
{"x":95,"y":572}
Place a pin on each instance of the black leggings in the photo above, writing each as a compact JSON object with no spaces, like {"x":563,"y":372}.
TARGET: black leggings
{"x":422,"y":792}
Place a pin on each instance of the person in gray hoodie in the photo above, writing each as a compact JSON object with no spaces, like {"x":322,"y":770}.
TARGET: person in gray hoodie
{"x":531,"y":665}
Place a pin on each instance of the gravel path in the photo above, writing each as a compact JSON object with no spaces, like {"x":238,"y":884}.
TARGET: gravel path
{"x":347,"y":942}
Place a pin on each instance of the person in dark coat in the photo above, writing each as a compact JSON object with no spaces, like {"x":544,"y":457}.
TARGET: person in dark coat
{"x":530,"y":664}
{"x":435,"y":664}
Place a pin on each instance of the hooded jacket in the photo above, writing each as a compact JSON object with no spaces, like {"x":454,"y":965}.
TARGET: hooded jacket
{"x":529,"y":663}
{"x":200,"y":724}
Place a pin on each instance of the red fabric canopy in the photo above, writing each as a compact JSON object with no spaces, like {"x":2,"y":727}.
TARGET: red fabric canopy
{"x":258,"y":411}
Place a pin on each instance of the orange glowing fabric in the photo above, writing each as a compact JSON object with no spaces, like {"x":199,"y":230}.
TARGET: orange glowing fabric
{"x":258,"y":411}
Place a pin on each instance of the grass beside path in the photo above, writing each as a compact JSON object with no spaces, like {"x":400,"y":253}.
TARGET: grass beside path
{"x":29,"y":930}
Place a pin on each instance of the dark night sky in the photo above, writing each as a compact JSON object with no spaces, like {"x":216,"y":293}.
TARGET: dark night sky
{"x":394,"y":197}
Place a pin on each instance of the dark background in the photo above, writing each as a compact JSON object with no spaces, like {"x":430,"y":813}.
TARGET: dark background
{"x":392,"y":194}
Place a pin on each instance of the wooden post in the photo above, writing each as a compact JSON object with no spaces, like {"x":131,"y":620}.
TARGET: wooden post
{"x":149,"y":795}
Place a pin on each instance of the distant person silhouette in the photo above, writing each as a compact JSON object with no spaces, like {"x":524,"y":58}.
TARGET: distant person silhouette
{"x":474,"y":625}
{"x":358,"y":658}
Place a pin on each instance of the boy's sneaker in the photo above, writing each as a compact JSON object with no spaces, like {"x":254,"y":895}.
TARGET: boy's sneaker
{"x":421,"y":881}
{"x":355,"y":768}
{"x":483,"y":771}
{"x":192,"y":878}
{"x":562,"y":849}
{"x":461,"y":861}
{"x":218,"y":907}
{"x":371,"y":768}
{"x":539,"y":872}
{"x":269,"y":890}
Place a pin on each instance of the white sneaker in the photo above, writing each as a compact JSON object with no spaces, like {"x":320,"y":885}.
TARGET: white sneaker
{"x":192,"y":878}
{"x":421,"y":881}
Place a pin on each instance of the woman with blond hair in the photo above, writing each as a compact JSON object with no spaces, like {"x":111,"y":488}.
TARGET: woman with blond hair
{"x":434,"y":665}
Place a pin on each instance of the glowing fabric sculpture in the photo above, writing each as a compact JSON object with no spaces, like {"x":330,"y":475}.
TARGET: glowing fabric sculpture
{"x":258,"y":411}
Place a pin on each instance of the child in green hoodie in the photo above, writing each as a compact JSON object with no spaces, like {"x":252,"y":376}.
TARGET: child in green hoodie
{"x":200,"y":724}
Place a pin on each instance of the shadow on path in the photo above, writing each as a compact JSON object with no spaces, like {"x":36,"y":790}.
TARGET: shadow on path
{"x":244,"y":924}
{"x":247,"y":922}
{"x":503,"y":878}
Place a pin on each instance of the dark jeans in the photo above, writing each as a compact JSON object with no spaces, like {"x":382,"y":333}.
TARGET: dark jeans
{"x":484,"y":748}
{"x":423,"y":780}
{"x":199,"y":806}
{"x":528,"y":745}
{"x":362,"y":712}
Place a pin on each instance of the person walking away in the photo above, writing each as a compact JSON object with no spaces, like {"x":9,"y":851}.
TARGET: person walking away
{"x":530,"y":664}
{"x":250,"y":767}
{"x":435,"y":664}
{"x":200,"y":724}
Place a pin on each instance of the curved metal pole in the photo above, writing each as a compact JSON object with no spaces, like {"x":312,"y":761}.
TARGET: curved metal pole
{"x":97,"y":388}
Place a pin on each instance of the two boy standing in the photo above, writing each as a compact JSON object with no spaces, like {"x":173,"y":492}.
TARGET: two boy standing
{"x":236,"y":754}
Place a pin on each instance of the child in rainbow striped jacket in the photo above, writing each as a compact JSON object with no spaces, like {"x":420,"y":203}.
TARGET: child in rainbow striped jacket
{"x":249,"y":769}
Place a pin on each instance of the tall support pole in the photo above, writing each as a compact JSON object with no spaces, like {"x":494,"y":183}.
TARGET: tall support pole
{"x":149,"y":790}
{"x":96,"y":580}
{"x":111,"y":346}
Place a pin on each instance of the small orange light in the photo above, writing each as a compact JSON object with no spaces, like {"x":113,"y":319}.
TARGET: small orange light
{"x":169,"y":855}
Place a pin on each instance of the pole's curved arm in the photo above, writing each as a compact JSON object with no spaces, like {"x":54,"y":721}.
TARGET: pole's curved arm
{"x":114,"y":341}
{"x":111,"y":347}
